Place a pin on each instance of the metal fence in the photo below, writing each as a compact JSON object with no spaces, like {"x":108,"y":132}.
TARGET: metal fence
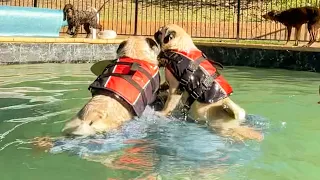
{"x":226,"y":19}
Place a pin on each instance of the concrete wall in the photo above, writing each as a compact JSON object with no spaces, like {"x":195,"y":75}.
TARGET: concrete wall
{"x":306,"y":59}
{"x":17,"y":53}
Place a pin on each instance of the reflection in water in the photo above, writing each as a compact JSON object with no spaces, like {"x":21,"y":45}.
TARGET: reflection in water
{"x":36,"y":100}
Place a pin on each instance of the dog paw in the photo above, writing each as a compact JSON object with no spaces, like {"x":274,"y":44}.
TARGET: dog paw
{"x":240,"y":114}
{"x":245,"y":133}
{"x":44,"y":143}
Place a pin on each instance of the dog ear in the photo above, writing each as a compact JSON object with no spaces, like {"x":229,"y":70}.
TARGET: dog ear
{"x":157,"y":36}
{"x":169,"y":35}
{"x":65,"y":9}
{"x":274,"y":13}
{"x":65,"y":13}
{"x":152,"y":43}
{"x":121,"y":46}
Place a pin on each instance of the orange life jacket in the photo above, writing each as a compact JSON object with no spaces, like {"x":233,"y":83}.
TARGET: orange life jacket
{"x":134,"y":80}
{"x":198,"y":76}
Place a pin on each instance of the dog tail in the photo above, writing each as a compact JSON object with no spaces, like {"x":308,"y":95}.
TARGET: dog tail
{"x":96,"y":11}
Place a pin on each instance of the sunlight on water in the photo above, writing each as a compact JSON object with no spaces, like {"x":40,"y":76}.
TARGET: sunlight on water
{"x":36,"y":100}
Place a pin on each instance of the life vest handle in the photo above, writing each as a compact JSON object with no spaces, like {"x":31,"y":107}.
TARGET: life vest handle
{"x":217,"y":64}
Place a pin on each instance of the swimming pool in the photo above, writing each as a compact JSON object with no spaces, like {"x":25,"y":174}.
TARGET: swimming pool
{"x":36,"y":100}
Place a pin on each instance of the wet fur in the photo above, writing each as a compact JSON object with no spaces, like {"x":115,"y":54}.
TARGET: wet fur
{"x":225,"y":116}
{"x":296,"y":17}
{"x":103,"y":112}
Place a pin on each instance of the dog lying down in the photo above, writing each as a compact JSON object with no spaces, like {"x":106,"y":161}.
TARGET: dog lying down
{"x":189,"y":72}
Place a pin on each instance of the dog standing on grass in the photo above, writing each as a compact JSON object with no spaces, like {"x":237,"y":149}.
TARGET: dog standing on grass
{"x":76,"y":18}
{"x":122,"y":89}
{"x":296,"y":17}
{"x":190,"y":74}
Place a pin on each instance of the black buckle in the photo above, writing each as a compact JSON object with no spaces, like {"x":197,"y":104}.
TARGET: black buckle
{"x":183,"y":82}
{"x":205,"y":56}
{"x":192,"y":67}
{"x":207,"y":82}
{"x":194,"y":95}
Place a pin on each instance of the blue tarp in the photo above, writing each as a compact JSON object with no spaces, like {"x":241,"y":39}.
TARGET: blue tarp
{"x":30,"y":21}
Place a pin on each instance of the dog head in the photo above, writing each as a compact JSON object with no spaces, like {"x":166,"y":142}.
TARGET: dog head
{"x":142,"y":48}
{"x":67,"y":11}
{"x":173,"y":36}
{"x":271,"y":15}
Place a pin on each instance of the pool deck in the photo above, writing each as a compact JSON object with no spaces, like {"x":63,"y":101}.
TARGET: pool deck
{"x":64,"y":39}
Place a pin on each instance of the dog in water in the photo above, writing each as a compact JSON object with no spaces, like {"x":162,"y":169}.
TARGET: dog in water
{"x":190,"y":74}
{"x":296,"y":17}
{"x":122,"y":90}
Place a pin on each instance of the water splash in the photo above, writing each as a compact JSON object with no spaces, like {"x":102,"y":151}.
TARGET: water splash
{"x":178,"y":144}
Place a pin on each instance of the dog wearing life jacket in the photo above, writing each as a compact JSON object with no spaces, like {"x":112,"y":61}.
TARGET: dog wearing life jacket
{"x":122,"y":89}
{"x":191,"y":74}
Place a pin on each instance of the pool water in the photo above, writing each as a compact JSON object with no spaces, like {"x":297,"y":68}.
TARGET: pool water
{"x":36,"y":100}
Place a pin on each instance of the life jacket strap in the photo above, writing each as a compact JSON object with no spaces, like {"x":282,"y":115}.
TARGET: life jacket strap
{"x":193,"y":66}
{"x":137,"y":67}
{"x":206,"y":83}
{"x":128,"y":77}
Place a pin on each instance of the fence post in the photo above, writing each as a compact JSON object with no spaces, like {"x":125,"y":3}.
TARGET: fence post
{"x":238,"y":21}
{"x":136,"y":18}
{"x":35,"y":2}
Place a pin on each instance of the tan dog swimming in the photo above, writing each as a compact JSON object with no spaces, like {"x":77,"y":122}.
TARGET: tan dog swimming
{"x":122,"y":90}
{"x":188,"y":72}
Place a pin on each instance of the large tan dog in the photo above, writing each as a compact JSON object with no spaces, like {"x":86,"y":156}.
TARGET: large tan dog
{"x":122,"y":90}
{"x":211,"y":103}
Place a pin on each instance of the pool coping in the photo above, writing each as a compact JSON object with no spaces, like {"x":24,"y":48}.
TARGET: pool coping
{"x":120,"y":39}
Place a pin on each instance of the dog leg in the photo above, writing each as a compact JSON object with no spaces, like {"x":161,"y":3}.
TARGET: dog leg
{"x":69,"y":31}
{"x":239,"y":113}
{"x":289,"y":28}
{"x":173,"y":98}
{"x":76,"y":31}
{"x":298,"y":30}
{"x":87,"y":29}
{"x":242,"y":133}
{"x":313,"y":31}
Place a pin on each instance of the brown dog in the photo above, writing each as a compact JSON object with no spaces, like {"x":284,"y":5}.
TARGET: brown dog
{"x":76,"y":18}
{"x":190,"y":73}
{"x":296,"y":17}
{"x":122,"y":90}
